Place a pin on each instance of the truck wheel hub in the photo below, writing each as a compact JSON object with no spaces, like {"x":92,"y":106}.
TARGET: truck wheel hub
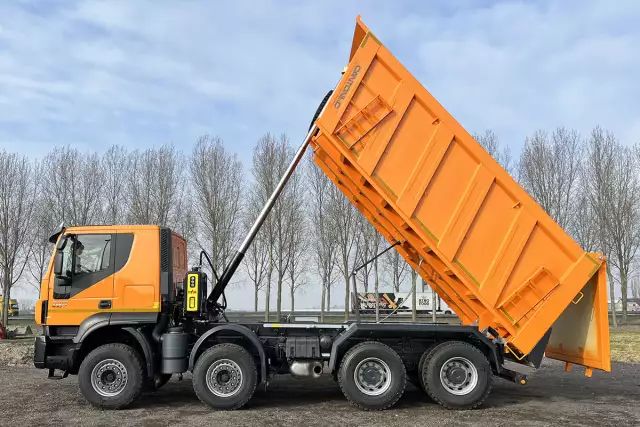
{"x":372,"y":376}
{"x":459,"y":376}
{"x":224,"y":378}
{"x":109,"y":378}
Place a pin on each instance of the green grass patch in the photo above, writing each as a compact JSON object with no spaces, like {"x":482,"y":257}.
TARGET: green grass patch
{"x":625,"y":344}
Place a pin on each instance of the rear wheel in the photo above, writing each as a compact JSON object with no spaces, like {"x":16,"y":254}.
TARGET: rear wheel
{"x":372,"y":376}
{"x":457,"y":375}
{"x":225,"y":377}
{"x":421,"y":365}
{"x":111,"y":376}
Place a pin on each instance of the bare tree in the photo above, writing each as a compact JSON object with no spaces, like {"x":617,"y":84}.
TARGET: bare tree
{"x":186,"y":223}
{"x":623,"y":219}
{"x":217,"y":178}
{"x":344,"y":219}
{"x":153,"y":185}
{"x":256,"y":259}
{"x":73,"y":184}
{"x":169,"y":181}
{"x":585,"y":216}
{"x":298,"y":248}
{"x":382,"y":244}
{"x":324,"y":242}
{"x":368,"y":247}
{"x":18,"y":187}
{"x":296,"y":236}
{"x":397,"y":268}
{"x":282,"y":216}
{"x":414,"y":298}
{"x":115,"y":168}
{"x":635,"y":287}
{"x":549,"y":170}
{"x":44,"y":225}
{"x":267,"y":159}
{"x":489,"y":141}
{"x":599,"y":177}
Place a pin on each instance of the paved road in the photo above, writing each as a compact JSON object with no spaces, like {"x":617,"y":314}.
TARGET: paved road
{"x":551,"y":398}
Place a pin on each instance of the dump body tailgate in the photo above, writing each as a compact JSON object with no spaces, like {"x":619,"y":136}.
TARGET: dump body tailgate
{"x":469,"y":229}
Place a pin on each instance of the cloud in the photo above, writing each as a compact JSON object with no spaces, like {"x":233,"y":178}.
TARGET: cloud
{"x":94,"y":73}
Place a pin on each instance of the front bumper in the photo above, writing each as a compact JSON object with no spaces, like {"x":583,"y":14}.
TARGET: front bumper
{"x":53,"y":355}
{"x":40,"y":352}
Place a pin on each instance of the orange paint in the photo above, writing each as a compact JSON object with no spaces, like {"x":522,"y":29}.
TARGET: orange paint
{"x":487,"y":247}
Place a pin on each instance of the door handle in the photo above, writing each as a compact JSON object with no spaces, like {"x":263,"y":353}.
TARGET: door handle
{"x":104,"y":304}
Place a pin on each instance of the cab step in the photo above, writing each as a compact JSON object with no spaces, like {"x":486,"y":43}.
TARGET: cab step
{"x":52,"y":375}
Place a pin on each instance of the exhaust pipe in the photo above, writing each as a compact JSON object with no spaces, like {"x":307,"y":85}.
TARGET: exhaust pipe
{"x":306,"y":369}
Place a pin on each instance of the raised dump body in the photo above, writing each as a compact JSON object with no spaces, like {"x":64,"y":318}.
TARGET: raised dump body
{"x":489,"y":250}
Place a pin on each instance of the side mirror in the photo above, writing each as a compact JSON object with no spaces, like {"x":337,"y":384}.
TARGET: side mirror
{"x":58,"y":263}
{"x":62,"y":243}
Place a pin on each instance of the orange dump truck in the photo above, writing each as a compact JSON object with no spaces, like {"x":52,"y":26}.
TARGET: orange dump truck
{"x":121,"y":310}
{"x":491,"y":252}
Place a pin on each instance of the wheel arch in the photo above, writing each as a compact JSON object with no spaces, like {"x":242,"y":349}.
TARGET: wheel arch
{"x":201,"y":345}
{"x":110,"y":334}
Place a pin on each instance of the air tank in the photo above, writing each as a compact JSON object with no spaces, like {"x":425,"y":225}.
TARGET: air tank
{"x":174,"y":351}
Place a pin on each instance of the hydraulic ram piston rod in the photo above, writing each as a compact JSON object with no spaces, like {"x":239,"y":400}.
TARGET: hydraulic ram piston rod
{"x":231,"y":268}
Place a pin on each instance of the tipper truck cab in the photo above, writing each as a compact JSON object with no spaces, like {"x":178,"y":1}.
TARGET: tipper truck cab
{"x":120,"y":309}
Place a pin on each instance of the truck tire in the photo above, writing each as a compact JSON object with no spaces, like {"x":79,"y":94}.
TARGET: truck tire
{"x":111,"y":376}
{"x":225,"y":377}
{"x":425,"y":353}
{"x":457,"y":375}
{"x":372,"y":376}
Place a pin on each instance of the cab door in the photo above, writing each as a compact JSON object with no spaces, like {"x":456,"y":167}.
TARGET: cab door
{"x":85,"y":286}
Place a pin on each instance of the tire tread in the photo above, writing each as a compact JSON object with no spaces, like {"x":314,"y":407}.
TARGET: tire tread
{"x":135,"y":358}
{"x":434,"y":350}
{"x":341,"y":380}
{"x":249,"y":394}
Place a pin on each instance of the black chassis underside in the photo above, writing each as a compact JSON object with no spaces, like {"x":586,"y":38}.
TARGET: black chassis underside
{"x":268,"y":341}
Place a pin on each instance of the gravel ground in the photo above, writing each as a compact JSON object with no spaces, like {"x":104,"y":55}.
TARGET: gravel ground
{"x":552,"y":397}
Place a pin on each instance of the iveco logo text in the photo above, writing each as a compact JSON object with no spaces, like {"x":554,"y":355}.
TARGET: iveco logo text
{"x":347,"y":86}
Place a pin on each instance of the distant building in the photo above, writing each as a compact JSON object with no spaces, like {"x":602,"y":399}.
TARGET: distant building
{"x":633,"y":305}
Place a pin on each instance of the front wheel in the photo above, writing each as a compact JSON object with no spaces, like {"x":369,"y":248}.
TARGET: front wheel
{"x":225,"y":377}
{"x":457,"y":375}
{"x":111,"y":376}
{"x":372,"y":376}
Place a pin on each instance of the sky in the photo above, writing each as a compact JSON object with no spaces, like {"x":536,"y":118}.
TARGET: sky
{"x":142,"y":73}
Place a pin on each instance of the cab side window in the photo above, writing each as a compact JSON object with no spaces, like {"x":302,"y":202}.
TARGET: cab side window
{"x":91,"y":253}
{"x":88,"y":259}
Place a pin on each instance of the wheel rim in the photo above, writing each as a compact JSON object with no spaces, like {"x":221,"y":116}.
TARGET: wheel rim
{"x":372,"y":376}
{"x":109,"y":378}
{"x":224,"y":378}
{"x":459,"y":376}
